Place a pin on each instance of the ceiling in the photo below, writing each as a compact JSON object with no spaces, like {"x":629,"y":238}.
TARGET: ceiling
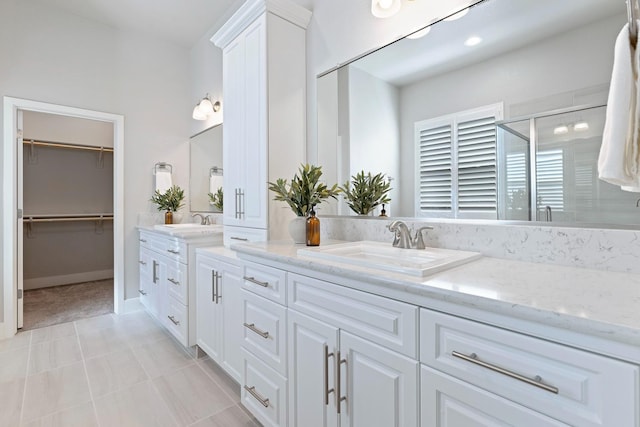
{"x":180,"y":21}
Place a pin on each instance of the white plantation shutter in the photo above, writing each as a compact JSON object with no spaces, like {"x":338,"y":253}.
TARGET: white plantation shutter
{"x":550,"y":179}
{"x":435,"y":168}
{"x":456,"y":164}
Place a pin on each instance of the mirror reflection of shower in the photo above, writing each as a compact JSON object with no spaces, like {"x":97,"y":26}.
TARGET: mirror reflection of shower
{"x":547,"y":170}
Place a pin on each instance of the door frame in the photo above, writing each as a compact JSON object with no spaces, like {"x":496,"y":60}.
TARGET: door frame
{"x":8,"y":327}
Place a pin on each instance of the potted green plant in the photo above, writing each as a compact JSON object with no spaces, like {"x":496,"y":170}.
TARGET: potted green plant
{"x":366,"y":191}
{"x":304,"y":191}
{"x":169,"y":201}
{"x":217,"y":199}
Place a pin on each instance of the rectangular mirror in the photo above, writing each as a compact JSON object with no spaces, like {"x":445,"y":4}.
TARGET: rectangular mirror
{"x":206,"y":171}
{"x":416,"y":110}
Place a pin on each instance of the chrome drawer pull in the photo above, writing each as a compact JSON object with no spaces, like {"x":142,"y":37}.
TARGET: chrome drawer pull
{"x":339,"y":399}
{"x":252,"y":327}
{"x":242,"y":239}
{"x":142,"y":292}
{"x":155,"y":277}
{"x":257,"y":282}
{"x":174,"y":281}
{"x":537,"y":381}
{"x":252,"y":391}
{"x":327,"y":390}
{"x":173,"y":251}
{"x":143,"y":241}
{"x":142,"y":262}
{"x":173,"y":319}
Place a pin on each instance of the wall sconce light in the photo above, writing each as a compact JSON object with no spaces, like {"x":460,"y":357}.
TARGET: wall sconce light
{"x":205,"y":108}
{"x":385,"y":8}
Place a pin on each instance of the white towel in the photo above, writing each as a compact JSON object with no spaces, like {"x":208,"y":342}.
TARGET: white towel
{"x":163,"y":180}
{"x":215,"y":182}
{"x":619,"y":161}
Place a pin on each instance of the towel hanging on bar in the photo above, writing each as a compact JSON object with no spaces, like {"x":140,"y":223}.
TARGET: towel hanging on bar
{"x":162,"y":172}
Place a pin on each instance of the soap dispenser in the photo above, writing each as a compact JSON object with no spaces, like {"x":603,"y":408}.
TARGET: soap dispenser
{"x":313,"y":228}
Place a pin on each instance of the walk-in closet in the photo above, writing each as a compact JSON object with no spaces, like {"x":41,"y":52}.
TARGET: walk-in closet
{"x":66,"y":186}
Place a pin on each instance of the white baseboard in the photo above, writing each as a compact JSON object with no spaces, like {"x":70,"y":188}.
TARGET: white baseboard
{"x":47,"y":282}
{"x":131,"y":305}
{"x":5,"y":331}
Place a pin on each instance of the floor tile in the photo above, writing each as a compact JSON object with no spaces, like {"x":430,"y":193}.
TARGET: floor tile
{"x":139,"y":405}
{"x":11,"y":394}
{"x":231,"y":417}
{"x":102,"y":341}
{"x":54,"y":332}
{"x":177,"y":390}
{"x":21,"y":339}
{"x":13,"y":364}
{"x":54,"y":354}
{"x":113,"y":372}
{"x":95,"y":323}
{"x":53,"y":391}
{"x":140,"y":331}
{"x":227,"y":383}
{"x":162,"y":357}
{"x":78,"y":416}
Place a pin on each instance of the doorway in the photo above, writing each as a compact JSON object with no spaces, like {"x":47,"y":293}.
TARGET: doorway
{"x":14,"y":222}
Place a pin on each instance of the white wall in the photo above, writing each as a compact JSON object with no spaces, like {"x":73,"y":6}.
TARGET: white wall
{"x":72,"y":130}
{"x":52,"y":56}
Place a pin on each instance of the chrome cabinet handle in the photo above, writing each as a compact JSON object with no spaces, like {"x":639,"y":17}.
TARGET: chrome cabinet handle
{"x":536,"y":381}
{"x":173,"y":319}
{"x":155,"y":277}
{"x":213,"y":286}
{"x":218,"y":296}
{"x":242,"y":239}
{"x":174,"y":281}
{"x":252,"y":391}
{"x":257,"y":282}
{"x":252,"y":327}
{"x":143,"y":240}
{"x":142,"y":292}
{"x":339,"y":398}
{"x":142,"y":262}
{"x":327,"y":390}
{"x":173,"y":251}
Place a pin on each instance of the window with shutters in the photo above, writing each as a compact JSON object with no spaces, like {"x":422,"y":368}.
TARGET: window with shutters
{"x":456,"y":164}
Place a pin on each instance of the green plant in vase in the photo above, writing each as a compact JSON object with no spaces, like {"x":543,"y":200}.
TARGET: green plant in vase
{"x":365,"y":192}
{"x":169,"y":201}
{"x":217,"y":199}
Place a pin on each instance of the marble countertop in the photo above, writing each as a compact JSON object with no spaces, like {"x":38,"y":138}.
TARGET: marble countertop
{"x":594,"y":302}
{"x":185,"y":230}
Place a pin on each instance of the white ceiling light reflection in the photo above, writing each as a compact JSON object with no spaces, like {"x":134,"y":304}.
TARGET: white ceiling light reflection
{"x":581,"y":126}
{"x":457,"y":15}
{"x":473,"y":41}
{"x":419,"y":34}
{"x":561,"y":130}
{"x":385,"y":8}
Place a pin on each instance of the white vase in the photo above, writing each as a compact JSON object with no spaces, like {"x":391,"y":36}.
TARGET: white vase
{"x":298,"y":230}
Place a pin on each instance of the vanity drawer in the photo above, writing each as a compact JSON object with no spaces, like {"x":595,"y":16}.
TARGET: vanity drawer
{"x":171,"y":247}
{"x":570,"y":385}
{"x":265,"y":281}
{"x":233,"y":235}
{"x":263,"y":392}
{"x":392,"y":324}
{"x":176,"y":320}
{"x":145,"y":264}
{"x":265,"y":330}
{"x":176,"y":281}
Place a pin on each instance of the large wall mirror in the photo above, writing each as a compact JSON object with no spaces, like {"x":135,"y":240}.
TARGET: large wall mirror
{"x":206,"y":172}
{"x":495,"y":115}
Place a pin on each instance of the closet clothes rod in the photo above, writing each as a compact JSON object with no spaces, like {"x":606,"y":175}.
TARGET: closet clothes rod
{"x":33,"y":142}
{"x":66,"y":218}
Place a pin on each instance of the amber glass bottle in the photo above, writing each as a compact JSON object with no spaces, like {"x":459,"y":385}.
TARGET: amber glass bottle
{"x":313,"y":229}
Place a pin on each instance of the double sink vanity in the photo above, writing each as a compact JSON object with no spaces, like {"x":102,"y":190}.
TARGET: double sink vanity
{"x":367,"y":334}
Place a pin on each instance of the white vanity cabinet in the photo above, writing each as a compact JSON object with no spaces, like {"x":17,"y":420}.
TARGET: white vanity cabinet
{"x":352,"y":357}
{"x":264,"y":82}
{"x":218,"y":315}
{"x":167,"y":279}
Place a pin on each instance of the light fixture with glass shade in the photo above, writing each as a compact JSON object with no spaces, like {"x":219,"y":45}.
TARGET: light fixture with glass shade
{"x":205,"y":108}
{"x":419,"y":34}
{"x":385,"y":8}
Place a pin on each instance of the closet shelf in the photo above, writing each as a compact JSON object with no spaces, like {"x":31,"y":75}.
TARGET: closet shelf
{"x":32,"y":143}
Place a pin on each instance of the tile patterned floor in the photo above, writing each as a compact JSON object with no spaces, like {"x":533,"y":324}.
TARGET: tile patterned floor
{"x":115,"y":371}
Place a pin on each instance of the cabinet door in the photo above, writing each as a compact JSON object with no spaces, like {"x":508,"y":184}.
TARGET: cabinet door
{"x":230,"y":298}
{"x":208,"y":326}
{"x":379,"y":387}
{"x":449,"y":402}
{"x":312,"y":348}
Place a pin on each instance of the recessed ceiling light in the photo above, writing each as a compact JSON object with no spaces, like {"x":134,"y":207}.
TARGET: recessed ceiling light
{"x":560,"y":130}
{"x":581,"y":126}
{"x":457,"y":15}
{"x":472,"y":41}
{"x":420,"y":33}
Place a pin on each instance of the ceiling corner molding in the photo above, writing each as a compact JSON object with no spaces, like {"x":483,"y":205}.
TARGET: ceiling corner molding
{"x":251,"y":10}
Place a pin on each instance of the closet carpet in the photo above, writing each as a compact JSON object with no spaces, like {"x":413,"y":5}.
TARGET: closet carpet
{"x":61,"y":304}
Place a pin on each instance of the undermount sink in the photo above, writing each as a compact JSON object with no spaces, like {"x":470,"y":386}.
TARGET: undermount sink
{"x":383,"y":256}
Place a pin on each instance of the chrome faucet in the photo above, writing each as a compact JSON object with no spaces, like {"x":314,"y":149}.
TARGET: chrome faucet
{"x":402,"y":235}
{"x":203,"y":220}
